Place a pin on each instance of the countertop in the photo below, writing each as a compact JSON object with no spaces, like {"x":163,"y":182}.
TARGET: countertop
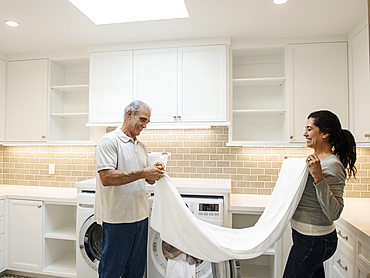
{"x":46,"y":194}
{"x":356,"y":210}
{"x":183,"y":185}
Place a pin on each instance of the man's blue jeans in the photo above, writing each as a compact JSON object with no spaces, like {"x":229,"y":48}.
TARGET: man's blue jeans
{"x":124,"y":248}
{"x":308,"y":254}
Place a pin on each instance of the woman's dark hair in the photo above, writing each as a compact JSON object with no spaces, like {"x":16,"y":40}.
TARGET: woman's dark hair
{"x":342,"y":140}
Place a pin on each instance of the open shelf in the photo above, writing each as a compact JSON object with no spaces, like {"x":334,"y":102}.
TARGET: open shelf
{"x":267,"y":81}
{"x":71,"y":88}
{"x":82,"y":114}
{"x":257,"y":111}
{"x":259,"y":101}
{"x":60,"y":263}
{"x":69,"y":100}
{"x":60,"y":240}
{"x":65,"y":233}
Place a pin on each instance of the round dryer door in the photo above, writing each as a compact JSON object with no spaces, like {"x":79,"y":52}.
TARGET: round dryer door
{"x":160,"y":251}
{"x":90,"y":242}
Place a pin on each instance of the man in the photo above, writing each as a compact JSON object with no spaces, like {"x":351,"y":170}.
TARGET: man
{"x":121,"y":204}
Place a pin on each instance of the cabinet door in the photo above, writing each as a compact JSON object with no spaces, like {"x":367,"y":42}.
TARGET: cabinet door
{"x":110,"y":86}
{"x":155,"y":82}
{"x":361,"y":272}
{"x":25,"y":234}
{"x":26,"y":100}
{"x":2,"y":99}
{"x":359,"y":86}
{"x":317,"y":81}
{"x":202,"y":83}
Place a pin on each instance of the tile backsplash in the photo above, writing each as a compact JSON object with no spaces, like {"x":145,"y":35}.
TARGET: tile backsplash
{"x":195,"y":153}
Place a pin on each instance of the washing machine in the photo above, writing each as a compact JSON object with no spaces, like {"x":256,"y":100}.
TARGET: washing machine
{"x":206,"y":208}
{"x":88,"y":236}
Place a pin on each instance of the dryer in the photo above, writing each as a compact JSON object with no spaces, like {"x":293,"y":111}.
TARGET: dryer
{"x":88,"y":236}
{"x":206,"y":208}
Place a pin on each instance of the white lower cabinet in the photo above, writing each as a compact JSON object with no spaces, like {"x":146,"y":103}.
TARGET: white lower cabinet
{"x":343,"y":264}
{"x":352,"y":257}
{"x":42,"y":238}
{"x":271,"y":264}
{"x":2,"y":235}
{"x":25,"y":235}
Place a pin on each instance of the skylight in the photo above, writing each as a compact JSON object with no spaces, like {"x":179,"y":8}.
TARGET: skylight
{"x":119,"y":11}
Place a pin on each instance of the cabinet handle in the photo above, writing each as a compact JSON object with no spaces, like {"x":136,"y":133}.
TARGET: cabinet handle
{"x":340,"y":234}
{"x":291,"y":137}
{"x":174,"y":117}
{"x":43,"y":136}
{"x":344,"y":267}
{"x":39,"y":206}
{"x":367,"y":135}
{"x":179,"y":117}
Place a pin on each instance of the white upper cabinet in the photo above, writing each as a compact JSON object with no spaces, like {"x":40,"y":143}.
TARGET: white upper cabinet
{"x":110,"y":86}
{"x":202,"y":84}
{"x":318,"y":80}
{"x":26,"y":101}
{"x":155,"y":82}
{"x":359,"y":86}
{"x":181,"y":84}
{"x":2,"y":98}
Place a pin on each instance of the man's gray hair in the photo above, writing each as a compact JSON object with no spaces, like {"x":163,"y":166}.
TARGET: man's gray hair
{"x":135,"y":107}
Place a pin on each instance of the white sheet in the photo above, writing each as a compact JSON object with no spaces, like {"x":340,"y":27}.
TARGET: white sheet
{"x":180,"y":228}
{"x":180,"y":268}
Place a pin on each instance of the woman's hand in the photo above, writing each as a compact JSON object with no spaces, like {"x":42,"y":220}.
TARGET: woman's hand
{"x":314,"y":166}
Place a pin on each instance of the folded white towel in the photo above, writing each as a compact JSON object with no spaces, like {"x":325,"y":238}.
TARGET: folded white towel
{"x":180,"y":228}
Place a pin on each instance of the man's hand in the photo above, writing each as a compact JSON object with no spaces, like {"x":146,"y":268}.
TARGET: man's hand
{"x":153,"y":173}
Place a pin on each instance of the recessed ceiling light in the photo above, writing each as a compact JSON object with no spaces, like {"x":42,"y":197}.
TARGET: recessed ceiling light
{"x":119,"y":11}
{"x":11,"y":23}
{"x":280,"y":1}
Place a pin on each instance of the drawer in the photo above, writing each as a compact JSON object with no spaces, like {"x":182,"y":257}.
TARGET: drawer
{"x":2,"y":224}
{"x":344,"y":264}
{"x":335,"y":274}
{"x":346,"y":238}
{"x":2,"y":242}
{"x":361,"y":272}
{"x":363,"y":250}
{"x":2,"y":207}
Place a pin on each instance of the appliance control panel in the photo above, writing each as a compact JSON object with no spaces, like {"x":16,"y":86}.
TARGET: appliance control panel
{"x":209,"y":209}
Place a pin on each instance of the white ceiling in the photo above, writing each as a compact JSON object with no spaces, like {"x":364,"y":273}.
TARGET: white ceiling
{"x":56,"y":25}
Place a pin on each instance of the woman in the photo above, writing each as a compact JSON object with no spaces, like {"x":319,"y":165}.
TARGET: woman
{"x":313,"y":229}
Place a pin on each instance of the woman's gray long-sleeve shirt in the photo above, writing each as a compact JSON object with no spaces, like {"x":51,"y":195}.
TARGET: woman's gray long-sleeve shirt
{"x":321,"y":203}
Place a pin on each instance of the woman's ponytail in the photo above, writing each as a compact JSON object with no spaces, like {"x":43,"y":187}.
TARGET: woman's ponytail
{"x":344,"y":146}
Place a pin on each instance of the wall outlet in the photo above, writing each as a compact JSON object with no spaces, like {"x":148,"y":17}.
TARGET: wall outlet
{"x":51,"y":169}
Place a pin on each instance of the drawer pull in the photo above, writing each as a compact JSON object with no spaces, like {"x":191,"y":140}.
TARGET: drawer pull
{"x":340,"y":234}
{"x":39,"y":206}
{"x":343,"y":267}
